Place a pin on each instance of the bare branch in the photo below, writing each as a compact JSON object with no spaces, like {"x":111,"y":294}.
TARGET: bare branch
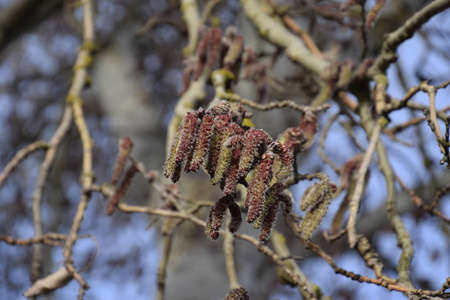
{"x":360,"y":184}
{"x":281,"y":104}
{"x":406,"y":31}
{"x":277,"y":34}
{"x":64,"y":126}
{"x":161,"y":272}
{"x":228,"y":248}
{"x":80,"y":77}
{"x":52,"y":239}
{"x":192,"y":19}
{"x":50,"y":283}
{"x":21,"y":155}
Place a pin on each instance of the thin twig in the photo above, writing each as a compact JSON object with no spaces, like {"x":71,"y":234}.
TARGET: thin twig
{"x":161,"y":272}
{"x":292,"y":25}
{"x":21,"y":155}
{"x":36,"y":198}
{"x":153,"y":21}
{"x":207,"y":10}
{"x":281,"y":104}
{"x":431,"y":90}
{"x":345,"y":99}
{"x":431,"y":116}
{"x":84,"y":59}
{"x":420,"y":204}
{"x":363,"y":31}
{"x":52,"y":239}
{"x":360,"y":183}
{"x":351,"y":134}
{"x":438,"y":196}
{"x":399,"y":128}
{"x":294,"y":179}
{"x":228,"y":248}
{"x":191,"y":17}
{"x":323,"y":137}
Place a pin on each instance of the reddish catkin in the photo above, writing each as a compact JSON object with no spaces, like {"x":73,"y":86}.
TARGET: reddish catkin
{"x":236,"y":217}
{"x":189,"y":68}
{"x":255,"y":142}
{"x":223,"y":51}
{"x":125,"y":147}
{"x":272,"y":196}
{"x":169,"y":166}
{"x":349,"y":168}
{"x":260,"y":77}
{"x":202,"y":53}
{"x":232,"y":140}
{"x":216,"y":215}
{"x":122,"y":189}
{"x":193,"y":143}
{"x":186,"y":144}
{"x":231,"y":179}
{"x":258,"y":186}
{"x":248,"y":58}
{"x":223,"y":162}
{"x":220,"y":126}
{"x":374,"y":12}
{"x":203,"y":141}
{"x":235,"y":45}
{"x":269,"y":220}
{"x":214,"y":52}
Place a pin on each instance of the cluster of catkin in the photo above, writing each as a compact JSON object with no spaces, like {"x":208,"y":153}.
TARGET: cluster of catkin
{"x":125,"y":147}
{"x":224,"y":50}
{"x":231,"y":153}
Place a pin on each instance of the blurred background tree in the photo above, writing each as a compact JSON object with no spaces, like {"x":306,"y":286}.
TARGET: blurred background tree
{"x":132,"y":82}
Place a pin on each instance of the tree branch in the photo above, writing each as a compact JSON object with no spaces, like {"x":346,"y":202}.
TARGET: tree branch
{"x":228,"y":249}
{"x":394,"y":39}
{"x":269,"y":106}
{"x":37,"y":257}
{"x":278,"y":35}
{"x":80,"y":77}
{"x":360,"y":183}
{"x":21,"y":155}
